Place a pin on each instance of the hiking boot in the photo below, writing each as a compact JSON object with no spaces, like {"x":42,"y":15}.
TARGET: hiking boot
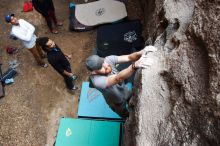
{"x":74,"y":88}
{"x":44,"y":65}
{"x":74,"y":77}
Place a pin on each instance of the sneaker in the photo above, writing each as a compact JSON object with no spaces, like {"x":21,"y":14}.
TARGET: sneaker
{"x":74,"y":77}
{"x":74,"y":88}
{"x":44,"y":65}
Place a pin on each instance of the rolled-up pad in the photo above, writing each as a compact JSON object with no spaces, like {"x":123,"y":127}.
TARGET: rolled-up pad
{"x":100,"y":12}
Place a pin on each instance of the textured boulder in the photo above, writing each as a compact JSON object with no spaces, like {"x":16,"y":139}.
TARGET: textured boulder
{"x":177,"y":100}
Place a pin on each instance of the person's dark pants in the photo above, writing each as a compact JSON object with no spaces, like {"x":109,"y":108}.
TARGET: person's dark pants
{"x":68,"y":81}
{"x":49,"y":18}
{"x":120,"y":109}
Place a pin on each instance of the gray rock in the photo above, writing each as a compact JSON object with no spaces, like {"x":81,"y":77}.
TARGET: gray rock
{"x":178,"y":102}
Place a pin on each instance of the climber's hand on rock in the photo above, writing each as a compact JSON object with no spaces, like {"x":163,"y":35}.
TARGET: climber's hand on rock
{"x":149,"y":49}
{"x":144,"y":62}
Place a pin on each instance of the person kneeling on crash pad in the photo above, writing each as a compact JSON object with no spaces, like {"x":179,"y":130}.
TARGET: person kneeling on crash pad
{"x":58,"y":60}
{"x":111,"y":82}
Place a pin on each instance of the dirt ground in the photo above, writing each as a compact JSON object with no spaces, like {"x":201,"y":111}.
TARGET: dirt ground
{"x":33,"y":105}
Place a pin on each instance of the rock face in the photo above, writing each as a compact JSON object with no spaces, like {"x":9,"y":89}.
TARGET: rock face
{"x":177,"y":100}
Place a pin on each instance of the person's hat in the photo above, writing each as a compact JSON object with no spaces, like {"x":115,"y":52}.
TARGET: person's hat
{"x":8,"y":17}
{"x":94,"y":62}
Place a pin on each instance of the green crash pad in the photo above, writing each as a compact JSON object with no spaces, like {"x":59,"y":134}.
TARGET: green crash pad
{"x":82,"y":132}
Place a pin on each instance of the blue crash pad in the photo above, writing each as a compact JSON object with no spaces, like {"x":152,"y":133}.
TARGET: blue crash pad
{"x":81,"y":132}
{"x":92,"y":104}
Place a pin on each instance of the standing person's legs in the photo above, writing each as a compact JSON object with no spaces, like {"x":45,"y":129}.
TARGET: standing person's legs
{"x":40,"y":52}
{"x":49,"y":23}
{"x":68,"y":81}
{"x":37,"y":56}
{"x":52,"y":16}
{"x":48,"y":20}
